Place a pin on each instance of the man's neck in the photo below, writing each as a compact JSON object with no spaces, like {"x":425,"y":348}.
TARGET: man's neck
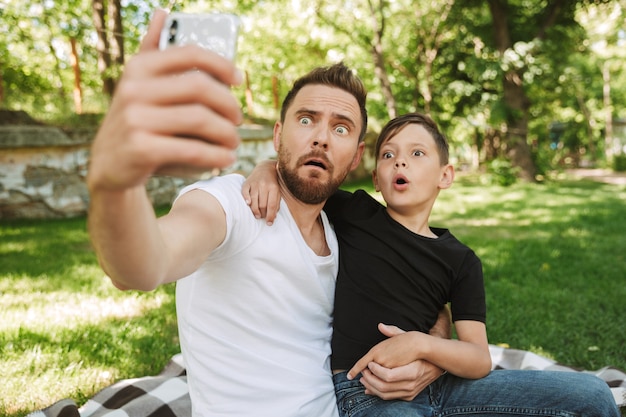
{"x":309,"y":221}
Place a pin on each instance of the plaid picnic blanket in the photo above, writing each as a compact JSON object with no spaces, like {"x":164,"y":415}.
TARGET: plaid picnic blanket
{"x":166,"y":394}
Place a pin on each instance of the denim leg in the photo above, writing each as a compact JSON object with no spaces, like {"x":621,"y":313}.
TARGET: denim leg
{"x":509,"y":393}
{"x":353,"y":402}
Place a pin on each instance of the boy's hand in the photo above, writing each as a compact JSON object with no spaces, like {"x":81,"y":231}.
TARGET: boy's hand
{"x":262,"y":192}
{"x":388,"y":371}
{"x":162,"y":99}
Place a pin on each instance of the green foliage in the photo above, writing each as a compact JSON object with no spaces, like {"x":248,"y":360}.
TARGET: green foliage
{"x":444,"y":62}
{"x":500,"y":172}
{"x":619,"y":163}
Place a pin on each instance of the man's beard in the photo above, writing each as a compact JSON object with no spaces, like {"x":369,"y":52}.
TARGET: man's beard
{"x":308,"y":190}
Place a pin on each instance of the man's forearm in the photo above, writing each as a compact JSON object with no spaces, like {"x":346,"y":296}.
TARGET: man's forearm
{"x":125,"y":235}
{"x":443,"y":326}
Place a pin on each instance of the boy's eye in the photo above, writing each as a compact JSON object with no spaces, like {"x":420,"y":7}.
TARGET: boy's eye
{"x":387,"y":155}
{"x":418,"y":153}
{"x":305,"y":121}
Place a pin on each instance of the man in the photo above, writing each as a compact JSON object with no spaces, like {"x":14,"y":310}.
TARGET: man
{"x":254,"y":302}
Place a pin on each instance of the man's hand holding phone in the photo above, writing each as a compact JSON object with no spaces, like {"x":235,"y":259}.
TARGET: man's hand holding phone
{"x":163,"y":99}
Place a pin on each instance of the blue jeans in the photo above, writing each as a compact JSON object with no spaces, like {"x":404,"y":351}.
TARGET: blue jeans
{"x":504,"y":393}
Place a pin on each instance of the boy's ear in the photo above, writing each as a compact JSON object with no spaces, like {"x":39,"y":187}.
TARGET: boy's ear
{"x":375,"y":180}
{"x":447,"y":177}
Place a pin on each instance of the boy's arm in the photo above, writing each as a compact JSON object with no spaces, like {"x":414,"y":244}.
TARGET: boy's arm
{"x":407,"y":381}
{"x":262,"y":192}
{"x":467,"y":357}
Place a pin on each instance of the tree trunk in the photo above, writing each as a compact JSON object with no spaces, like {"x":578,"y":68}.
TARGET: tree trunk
{"x":515,"y":100}
{"x":117,"y":44}
{"x":275,"y":94}
{"x":102,"y":46}
{"x":608,"y":113}
{"x":1,"y":85}
{"x":378,"y":28}
{"x":249,"y":98}
{"x":432,"y":36}
{"x":57,"y":60}
{"x":385,"y":85}
{"x":78,"y":91}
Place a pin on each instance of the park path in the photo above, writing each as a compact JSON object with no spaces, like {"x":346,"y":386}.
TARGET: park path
{"x":601,"y":175}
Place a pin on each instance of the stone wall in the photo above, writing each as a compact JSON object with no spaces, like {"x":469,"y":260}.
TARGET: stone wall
{"x":43,"y":169}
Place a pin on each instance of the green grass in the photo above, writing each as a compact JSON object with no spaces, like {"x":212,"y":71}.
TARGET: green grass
{"x":554,"y":257}
{"x":65,"y":331}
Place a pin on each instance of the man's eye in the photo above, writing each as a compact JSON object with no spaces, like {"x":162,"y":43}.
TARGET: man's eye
{"x":305,"y":121}
{"x":342,"y":130}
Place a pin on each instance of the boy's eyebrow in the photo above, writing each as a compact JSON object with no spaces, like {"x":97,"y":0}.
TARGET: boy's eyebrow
{"x":339,"y":116}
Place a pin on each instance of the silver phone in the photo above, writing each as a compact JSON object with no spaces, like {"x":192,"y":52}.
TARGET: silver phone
{"x":217,"y":32}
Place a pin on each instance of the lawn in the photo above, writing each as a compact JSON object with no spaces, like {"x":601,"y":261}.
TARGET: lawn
{"x":554,"y":258}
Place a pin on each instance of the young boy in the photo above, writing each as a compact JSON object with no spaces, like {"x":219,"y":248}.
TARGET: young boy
{"x":396,"y":269}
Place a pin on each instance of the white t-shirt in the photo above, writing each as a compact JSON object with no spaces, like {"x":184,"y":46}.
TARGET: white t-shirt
{"x":255,"y":318}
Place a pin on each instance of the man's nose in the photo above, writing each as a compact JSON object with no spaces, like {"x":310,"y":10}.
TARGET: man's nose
{"x":321,"y":138}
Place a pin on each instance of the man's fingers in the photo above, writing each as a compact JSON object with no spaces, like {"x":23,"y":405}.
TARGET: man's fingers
{"x":384,"y":389}
{"x":181,"y":89}
{"x":180,"y":60}
{"x":188,"y":121}
{"x":151,"y":39}
{"x":170,"y":151}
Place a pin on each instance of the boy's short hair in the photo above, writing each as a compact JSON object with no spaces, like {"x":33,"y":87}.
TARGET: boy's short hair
{"x":337,"y":75}
{"x":395,"y":125}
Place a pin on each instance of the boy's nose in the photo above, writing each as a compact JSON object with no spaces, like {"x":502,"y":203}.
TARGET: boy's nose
{"x":400,"y":162}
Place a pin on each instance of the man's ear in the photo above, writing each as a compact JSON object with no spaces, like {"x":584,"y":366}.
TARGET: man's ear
{"x":447,"y":177}
{"x":278,"y":129}
{"x":357,"y":158}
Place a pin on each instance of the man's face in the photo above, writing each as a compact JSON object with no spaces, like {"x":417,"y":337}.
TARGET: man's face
{"x":318,"y":142}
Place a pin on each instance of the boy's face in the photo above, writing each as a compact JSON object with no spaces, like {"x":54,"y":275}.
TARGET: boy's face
{"x":408,"y":171}
{"x":318,"y":142}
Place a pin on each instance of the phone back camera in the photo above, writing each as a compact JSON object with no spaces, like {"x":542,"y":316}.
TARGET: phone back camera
{"x":173,"y":30}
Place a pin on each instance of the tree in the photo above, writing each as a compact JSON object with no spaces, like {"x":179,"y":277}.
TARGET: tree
{"x":520,"y":31}
{"x":107,"y":20}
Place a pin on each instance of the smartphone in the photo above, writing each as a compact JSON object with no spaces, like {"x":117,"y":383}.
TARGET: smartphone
{"x":217,"y":32}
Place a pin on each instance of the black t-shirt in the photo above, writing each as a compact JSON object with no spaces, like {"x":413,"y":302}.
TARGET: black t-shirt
{"x":388,"y":274}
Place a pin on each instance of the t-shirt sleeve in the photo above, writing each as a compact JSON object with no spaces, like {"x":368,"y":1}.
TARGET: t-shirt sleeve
{"x":468,"y":295}
{"x":240,"y":222}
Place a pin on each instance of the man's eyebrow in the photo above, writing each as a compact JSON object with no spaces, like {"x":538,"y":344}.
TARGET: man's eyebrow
{"x":339,"y":116}
{"x":306,"y":111}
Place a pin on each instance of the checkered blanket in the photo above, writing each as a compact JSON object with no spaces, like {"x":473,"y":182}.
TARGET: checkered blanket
{"x":166,"y":394}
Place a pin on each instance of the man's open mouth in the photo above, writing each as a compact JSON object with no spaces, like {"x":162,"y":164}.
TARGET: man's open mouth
{"x":316,"y":163}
